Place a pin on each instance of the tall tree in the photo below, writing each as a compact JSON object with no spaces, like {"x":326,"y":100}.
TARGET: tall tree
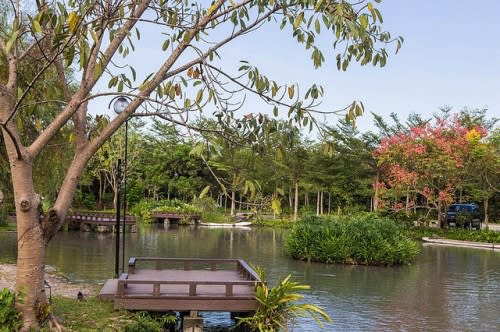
{"x":92,"y":36}
{"x":429,"y":160}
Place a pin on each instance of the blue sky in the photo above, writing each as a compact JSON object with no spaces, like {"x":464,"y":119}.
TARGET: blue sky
{"x":450,"y":56}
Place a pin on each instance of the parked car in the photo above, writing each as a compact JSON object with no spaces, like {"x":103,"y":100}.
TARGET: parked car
{"x":464,"y":215}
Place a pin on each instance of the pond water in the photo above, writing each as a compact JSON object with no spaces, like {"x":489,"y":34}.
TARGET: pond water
{"x":445,"y":289}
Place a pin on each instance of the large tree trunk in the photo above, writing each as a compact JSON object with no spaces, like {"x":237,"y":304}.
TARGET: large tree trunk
{"x":376,"y":192}
{"x":296,"y":202}
{"x":31,"y":245}
{"x":233,"y":203}
{"x":317,"y":203}
{"x":486,"y":221}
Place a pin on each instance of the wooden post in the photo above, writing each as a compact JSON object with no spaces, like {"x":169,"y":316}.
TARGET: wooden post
{"x":192,"y":323}
{"x":192,"y":289}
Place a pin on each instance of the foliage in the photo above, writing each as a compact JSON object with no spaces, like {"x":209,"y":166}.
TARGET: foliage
{"x":9,"y":317}
{"x":360,"y":239}
{"x":278,"y":306}
{"x":144,"y":208}
{"x":489,"y":236}
{"x":42,"y":102}
{"x":147,"y":322}
{"x":431,"y":163}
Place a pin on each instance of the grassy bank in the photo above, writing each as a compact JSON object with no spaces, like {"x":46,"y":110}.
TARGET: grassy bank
{"x":417,"y":233}
{"x":362,"y":239}
{"x":8,"y":227}
{"x":92,"y":314}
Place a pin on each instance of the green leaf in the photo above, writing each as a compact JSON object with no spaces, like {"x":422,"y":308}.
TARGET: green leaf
{"x":165,"y":45}
{"x":317,"y":26}
{"x":72,"y":20}
{"x":94,"y":36}
{"x":199,"y":96}
{"x":363,"y":20}
{"x":36,"y":26}
{"x":204,"y":192}
{"x":11,"y":40}
{"x":298,"y":20}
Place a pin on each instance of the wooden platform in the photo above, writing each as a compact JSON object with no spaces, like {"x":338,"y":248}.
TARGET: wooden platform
{"x":185,"y":285}
{"x":98,"y":218}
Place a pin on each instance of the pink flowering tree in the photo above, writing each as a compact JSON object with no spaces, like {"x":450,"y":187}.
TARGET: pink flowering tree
{"x":426,"y":165}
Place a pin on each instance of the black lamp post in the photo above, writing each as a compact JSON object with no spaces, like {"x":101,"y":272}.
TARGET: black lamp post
{"x":117,"y":226}
{"x":120,"y":103}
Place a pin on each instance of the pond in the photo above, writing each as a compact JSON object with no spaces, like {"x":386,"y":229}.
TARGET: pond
{"x":445,"y":289}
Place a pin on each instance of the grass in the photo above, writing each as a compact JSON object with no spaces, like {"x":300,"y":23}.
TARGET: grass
{"x":8,"y":227}
{"x":418,"y":233}
{"x":91,"y":314}
{"x":278,"y":223}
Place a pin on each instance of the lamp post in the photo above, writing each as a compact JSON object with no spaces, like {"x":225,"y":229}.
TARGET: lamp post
{"x":117,"y":226}
{"x":119,"y":105}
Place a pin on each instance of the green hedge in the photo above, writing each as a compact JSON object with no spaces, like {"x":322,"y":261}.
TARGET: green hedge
{"x":144,"y":208}
{"x":361,"y":239}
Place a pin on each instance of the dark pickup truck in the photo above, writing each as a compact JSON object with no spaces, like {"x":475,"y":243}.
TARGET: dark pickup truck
{"x":464,"y":215}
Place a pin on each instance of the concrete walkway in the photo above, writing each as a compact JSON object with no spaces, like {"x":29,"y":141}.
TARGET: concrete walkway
{"x":492,"y":227}
{"x":458,"y":243}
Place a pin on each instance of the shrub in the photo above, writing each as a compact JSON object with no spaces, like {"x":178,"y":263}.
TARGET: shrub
{"x":362,"y":239}
{"x":9,"y":317}
{"x":418,"y":233}
{"x":278,"y":306}
{"x":146,"y":322}
{"x":144,"y":208}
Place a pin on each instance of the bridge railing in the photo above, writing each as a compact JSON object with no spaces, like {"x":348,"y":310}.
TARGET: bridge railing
{"x":99,"y":217}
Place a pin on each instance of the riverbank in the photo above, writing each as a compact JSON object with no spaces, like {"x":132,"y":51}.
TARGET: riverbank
{"x":464,"y":244}
{"x":59,"y":284}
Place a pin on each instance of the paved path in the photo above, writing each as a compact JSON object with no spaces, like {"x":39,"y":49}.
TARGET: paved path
{"x":458,"y":243}
{"x":493,"y":227}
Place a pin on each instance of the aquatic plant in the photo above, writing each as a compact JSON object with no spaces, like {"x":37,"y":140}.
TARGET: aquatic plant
{"x":361,"y":239}
{"x":278,"y":306}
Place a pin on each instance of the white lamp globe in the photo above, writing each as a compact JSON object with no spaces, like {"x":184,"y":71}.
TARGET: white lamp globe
{"x":120,"y":104}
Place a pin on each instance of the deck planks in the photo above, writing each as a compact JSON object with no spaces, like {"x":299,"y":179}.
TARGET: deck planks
{"x":180,"y":290}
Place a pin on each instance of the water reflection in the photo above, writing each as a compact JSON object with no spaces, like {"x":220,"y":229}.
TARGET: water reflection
{"x":446,"y":289}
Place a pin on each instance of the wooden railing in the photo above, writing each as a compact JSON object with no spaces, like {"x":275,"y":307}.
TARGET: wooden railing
{"x":241,"y":266}
{"x":143,"y":289}
{"x":102,"y":218}
{"x":123,"y":282}
{"x":175,"y":215}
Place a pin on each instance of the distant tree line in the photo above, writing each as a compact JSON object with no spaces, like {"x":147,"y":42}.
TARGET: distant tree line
{"x":414,"y":168}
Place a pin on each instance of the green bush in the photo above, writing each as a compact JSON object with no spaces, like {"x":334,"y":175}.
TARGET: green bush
{"x":147,"y":322}
{"x":9,"y":317}
{"x":361,"y":239}
{"x":144,"y":208}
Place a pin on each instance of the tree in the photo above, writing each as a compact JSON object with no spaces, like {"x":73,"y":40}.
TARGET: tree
{"x":429,"y":160}
{"x":52,"y":39}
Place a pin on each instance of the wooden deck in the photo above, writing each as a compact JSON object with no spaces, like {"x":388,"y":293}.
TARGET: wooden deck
{"x":98,"y":218}
{"x":186,"y":285}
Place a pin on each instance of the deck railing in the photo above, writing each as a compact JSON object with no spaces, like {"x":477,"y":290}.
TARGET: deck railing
{"x":240,"y":265}
{"x":92,"y":217}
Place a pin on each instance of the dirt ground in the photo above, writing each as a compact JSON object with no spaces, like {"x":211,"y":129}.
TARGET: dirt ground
{"x":59,"y":284}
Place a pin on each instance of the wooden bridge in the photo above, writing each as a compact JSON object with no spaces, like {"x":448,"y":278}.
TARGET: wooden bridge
{"x":85,"y":219}
{"x":188,"y":284}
